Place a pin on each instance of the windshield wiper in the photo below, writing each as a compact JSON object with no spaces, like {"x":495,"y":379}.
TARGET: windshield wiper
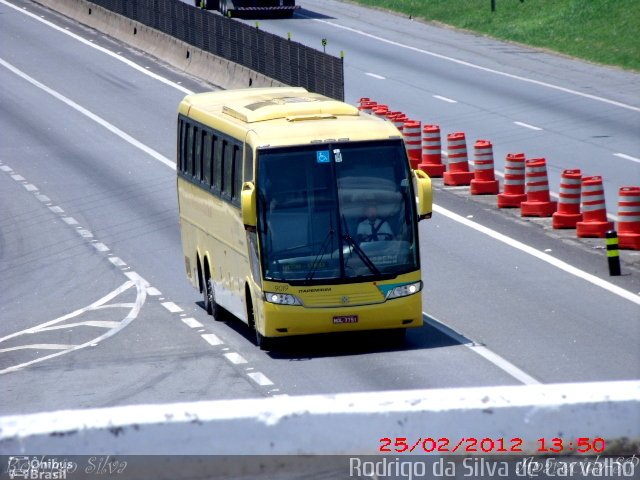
{"x":363,"y":256}
{"x":323,"y":248}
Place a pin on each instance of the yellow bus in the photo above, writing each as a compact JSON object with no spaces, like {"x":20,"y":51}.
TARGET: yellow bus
{"x":298,"y":213}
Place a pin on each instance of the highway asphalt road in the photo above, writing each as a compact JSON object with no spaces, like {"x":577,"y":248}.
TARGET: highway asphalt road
{"x":95,"y":309}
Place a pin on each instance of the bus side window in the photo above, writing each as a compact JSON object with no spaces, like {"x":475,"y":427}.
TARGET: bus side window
{"x":180,"y":144}
{"x":198,"y":154}
{"x":217,"y":164}
{"x":237,"y":174}
{"x":206,"y":158}
{"x":189,"y":153}
{"x":184,"y":141}
{"x":227,"y":169}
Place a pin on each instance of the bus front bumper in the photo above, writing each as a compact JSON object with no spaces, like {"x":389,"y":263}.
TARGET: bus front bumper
{"x":285,"y":320}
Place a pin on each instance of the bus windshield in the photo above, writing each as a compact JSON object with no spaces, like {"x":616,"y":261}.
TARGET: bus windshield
{"x":340,"y":212}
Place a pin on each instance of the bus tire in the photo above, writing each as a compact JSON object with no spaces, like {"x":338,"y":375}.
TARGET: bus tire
{"x":209,"y":297}
{"x":262,"y":342}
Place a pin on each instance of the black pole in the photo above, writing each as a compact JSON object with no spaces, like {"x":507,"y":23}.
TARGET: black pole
{"x":493,"y":5}
{"x":613,"y":254}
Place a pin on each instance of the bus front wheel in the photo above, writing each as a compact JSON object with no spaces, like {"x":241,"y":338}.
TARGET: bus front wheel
{"x":263,"y":343}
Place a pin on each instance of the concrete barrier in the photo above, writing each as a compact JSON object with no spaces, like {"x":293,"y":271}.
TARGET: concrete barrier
{"x":342,"y":424}
{"x":199,"y":63}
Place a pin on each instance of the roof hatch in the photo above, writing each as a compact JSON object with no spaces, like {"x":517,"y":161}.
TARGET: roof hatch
{"x":272,"y":106}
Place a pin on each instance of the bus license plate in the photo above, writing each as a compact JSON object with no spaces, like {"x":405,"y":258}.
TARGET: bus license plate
{"x":345,"y":319}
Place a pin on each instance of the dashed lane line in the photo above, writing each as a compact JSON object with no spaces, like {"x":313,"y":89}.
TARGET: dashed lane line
{"x":260,"y":379}
{"x":172,"y":307}
{"x":192,"y":322}
{"x":212,"y":339}
{"x":235,"y":358}
{"x":445,"y":99}
{"x":529,"y":126}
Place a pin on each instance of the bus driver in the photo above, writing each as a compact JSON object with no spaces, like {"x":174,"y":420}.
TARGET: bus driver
{"x":373,"y":228}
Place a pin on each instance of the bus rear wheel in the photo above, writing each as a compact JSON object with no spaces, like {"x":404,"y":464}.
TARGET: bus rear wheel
{"x":209,"y":298}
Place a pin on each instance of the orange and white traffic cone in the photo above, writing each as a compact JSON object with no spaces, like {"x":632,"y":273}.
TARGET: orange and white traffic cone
{"x":538,"y":202}
{"x":484,"y":179}
{"x":513,"y":194}
{"x":594,"y":211}
{"x":381,"y":111}
{"x":458,"y":170}
{"x":568,"y":214}
{"x":398,"y":120}
{"x":366,"y":105}
{"x":629,"y":218}
{"x":413,"y":141}
{"x":432,"y":152}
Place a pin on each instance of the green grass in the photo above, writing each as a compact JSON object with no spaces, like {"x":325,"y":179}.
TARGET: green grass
{"x":601,"y":31}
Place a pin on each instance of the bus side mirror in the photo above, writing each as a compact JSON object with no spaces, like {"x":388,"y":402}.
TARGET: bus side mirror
{"x":424,"y":193}
{"x":248,"y":205}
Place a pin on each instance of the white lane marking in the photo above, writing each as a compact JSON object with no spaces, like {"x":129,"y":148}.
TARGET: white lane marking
{"x":56,"y":209}
{"x":259,"y":378}
{"x":117,"y":261}
{"x":445,"y":99}
{"x":30,"y":187}
{"x":131,"y":316}
{"x":99,"y":48}
{"x":235,"y":358}
{"x":87,"y":234}
{"x":88,"y":323}
{"x":99,"y":120}
{"x":375,"y":75}
{"x":212,"y":339}
{"x":17,"y":178}
{"x":43,"y":198}
{"x":526,"y":125}
{"x":481,"y":350}
{"x":101,"y":247}
{"x":38,"y":346}
{"x":192,"y":322}
{"x":153,"y":292}
{"x":172,"y":307}
{"x":70,"y":220}
{"x":5,"y":168}
{"x":136,"y":278}
{"x":478,"y":67}
{"x":621,"y":292}
{"x":627,"y":157}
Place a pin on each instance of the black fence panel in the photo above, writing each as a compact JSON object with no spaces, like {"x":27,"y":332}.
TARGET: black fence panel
{"x":275,"y":57}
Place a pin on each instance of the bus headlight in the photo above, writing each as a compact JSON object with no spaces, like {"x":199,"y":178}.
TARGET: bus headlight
{"x":282,"y":298}
{"x":404,"y":290}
